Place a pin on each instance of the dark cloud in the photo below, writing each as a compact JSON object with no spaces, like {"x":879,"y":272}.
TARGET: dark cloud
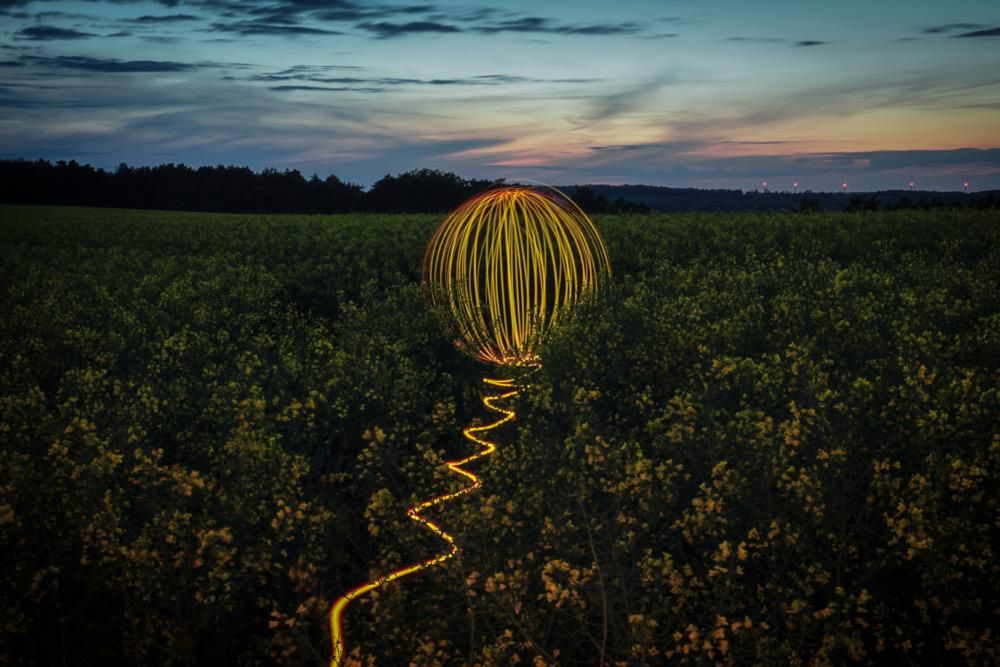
{"x":777,"y":40}
{"x":501,"y":78}
{"x":539,"y":24}
{"x":762,"y":40}
{"x":951,"y":27}
{"x":110,"y":65}
{"x":497,"y":79}
{"x":320,"y":75}
{"x":306,"y":71}
{"x":150,"y":19}
{"x":380,"y":20}
{"x":990,"y":32}
{"x":264,"y":28}
{"x":350,"y":12}
{"x":465,"y":15}
{"x":285,"y":89}
{"x":44,"y":16}
{"x":524,"y":24}
{"x":294,"y":12}
{"x":386,"y":81}
{"x":45,"y":32}
{"x":619,"y":29}
{"x":385,"y":30}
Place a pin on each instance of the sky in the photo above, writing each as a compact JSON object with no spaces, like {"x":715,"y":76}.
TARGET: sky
{"x":709,"y":93}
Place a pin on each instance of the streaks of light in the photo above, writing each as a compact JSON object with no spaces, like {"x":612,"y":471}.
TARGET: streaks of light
{"x":415,"y":513}
{"x":507,"y":264}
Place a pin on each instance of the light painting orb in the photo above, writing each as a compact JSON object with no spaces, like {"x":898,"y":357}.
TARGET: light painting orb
{"x":507,"y":264}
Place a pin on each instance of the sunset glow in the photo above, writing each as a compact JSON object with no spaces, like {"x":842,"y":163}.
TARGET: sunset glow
{"x":685,"y":94}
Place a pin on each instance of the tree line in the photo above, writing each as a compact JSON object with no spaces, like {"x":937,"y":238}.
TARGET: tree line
{"x":233,"y":189}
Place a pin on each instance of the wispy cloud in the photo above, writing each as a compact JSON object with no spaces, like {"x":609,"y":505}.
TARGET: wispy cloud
{"x":247,"y":28}
{"x":777,"y":40}
{"x":624,"y":147}
{"x":952,"y":27}
{"x":107,"y":65}
{"x":318,"y":75}
{"x":47,"y":33}
{"x":380,"y":20}
{"x":386,"y":30}
{"x":541,"y":24}
{"x":759,"y":40}
{"x":329,"y":89}
{"x":625,"y":101}
{"x":151,"y":19}
{"x":990,"y":32}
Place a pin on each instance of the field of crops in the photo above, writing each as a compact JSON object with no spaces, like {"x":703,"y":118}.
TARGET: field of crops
{"x":774,"y":439}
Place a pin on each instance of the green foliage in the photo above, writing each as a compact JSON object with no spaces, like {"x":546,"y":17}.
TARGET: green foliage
{"x":774,"y":440}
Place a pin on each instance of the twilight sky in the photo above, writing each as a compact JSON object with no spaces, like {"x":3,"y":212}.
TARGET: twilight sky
{"x":709,"y":93}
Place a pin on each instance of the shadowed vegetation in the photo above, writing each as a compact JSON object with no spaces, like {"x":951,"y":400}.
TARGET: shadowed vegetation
{"x":775,"y":439}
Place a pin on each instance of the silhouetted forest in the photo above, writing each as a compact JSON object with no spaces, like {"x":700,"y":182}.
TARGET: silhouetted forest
{"x":241,"y":190}
{"x":678,"y":200}
{"x":178,"y":187}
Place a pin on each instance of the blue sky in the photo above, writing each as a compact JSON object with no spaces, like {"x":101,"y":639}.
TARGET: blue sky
{"x":705,"y":94}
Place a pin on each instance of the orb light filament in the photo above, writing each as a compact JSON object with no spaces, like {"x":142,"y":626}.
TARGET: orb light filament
{"x":506,"y":265}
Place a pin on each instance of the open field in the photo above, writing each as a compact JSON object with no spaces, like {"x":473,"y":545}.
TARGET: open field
{"x":775,"y":439}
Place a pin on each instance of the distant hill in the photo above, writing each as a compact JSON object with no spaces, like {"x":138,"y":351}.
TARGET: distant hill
{"x":667,"y":199}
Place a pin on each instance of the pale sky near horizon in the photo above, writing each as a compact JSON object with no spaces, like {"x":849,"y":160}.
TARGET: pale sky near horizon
{"x":717,"y":93}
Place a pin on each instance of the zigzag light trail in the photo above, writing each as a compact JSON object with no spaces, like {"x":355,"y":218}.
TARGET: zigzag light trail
{"x":501,"y":270}
{"x":415,"y":513}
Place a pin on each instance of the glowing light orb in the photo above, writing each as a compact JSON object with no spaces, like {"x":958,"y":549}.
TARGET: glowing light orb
{"x":507,"y":264}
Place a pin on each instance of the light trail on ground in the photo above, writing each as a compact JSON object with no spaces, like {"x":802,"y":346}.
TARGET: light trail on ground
{"x":415,"y":513}
{"x":501,"y":270}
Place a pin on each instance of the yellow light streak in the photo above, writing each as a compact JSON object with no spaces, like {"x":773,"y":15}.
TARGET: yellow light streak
{"x":415,"y":513}
{"x":502,"y":269}
{"x":506,"y":265}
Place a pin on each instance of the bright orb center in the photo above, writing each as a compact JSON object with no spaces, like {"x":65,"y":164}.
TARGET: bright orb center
{"x":506,"y":265}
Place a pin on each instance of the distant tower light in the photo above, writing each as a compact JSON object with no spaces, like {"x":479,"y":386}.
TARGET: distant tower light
{"x":764,"y":184}
{"x":843,"y":186}
{"x":795,"y":186}
{"x":911,"y":186}
{"x":965,"y":186}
